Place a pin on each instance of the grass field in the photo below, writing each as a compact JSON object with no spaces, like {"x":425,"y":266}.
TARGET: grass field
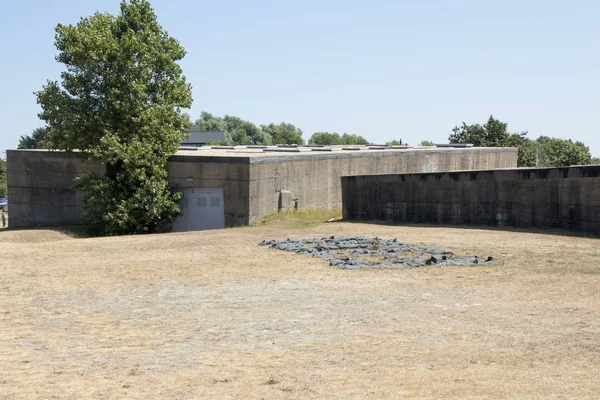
{"x":212,"y":315}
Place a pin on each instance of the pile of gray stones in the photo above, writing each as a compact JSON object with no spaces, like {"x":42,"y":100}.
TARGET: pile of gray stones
{"x":349,"y":252}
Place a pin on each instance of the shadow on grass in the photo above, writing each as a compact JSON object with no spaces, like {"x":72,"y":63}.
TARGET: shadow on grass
{"x":542,"y":231}
{"x":75,"y":231}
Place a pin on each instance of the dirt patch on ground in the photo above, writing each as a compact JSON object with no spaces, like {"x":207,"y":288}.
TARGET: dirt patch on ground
{"x":212,"y":315}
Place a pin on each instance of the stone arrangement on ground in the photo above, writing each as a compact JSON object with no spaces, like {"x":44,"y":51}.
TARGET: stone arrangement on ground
{"x":364,"y":252}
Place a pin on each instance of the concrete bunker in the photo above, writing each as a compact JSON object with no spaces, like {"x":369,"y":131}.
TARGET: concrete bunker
{"x":251,"y":181}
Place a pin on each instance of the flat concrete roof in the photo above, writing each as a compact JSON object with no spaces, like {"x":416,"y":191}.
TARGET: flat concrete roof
{"x":254,"y":153}
{"x":257,"y":155}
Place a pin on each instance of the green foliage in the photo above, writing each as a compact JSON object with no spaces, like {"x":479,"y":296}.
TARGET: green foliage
{"x":237,"y":131}
{"x":39,"y":139}
{"x":129,"y":200}
{"x":241,"y":132}
{"x":543,"y":152}
{"x":493,"y":134}
{"x":426,"y":143}
{"x":120,"y":102}
{"x":208,"y":122}
{"x":244,"y":132}
{"x":528,"y":149}
{"x":214,"y":142}
{"x":353,"y":139}
{"x":554,"y":152}
{"x":240,"y":137}
{"x":332,"y":139}
{"x":325,"y":139}
{"x":283,"y":133}
{"x":3,"y":188}
{"x":595,"y":160}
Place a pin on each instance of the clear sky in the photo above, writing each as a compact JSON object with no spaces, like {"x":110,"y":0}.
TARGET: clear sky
{"x":384,"y":69}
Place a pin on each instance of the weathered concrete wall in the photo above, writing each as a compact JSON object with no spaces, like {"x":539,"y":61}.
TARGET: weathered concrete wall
{"x":39,"y":187}
{"x":315,"y":180}
{"x":230,"y":173}
{"x":565,"y":198}
{"x":40,"y":182}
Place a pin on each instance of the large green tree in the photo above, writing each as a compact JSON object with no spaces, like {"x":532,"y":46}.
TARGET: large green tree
{"x":325,"y":139}
{"x":283,"y":133}
{"x":39,"y":139}
{"x":243,"y":132}
{"x":555,"y":152}
{"x":494,"y":133}
{"x":208,"y":122}
{"x":528,"y":149}
{"x":119,"y":101}
{"x":350,"y":139}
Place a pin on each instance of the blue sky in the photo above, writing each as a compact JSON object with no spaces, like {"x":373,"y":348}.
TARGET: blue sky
{"x":381,"y":69}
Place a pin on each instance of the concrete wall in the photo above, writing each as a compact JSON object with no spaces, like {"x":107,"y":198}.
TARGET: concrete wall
{"x":565,"y":198}
{"x":229,"y":173}
{"x":315,"y":179}
{"x":40,"y":182}
{"x":39,"y":187}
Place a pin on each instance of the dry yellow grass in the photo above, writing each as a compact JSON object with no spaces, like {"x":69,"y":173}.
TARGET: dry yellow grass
{"x":212,"y":315}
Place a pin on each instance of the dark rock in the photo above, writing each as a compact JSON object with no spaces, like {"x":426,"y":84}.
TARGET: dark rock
{"x":432,"y":260}
{"x":390,"y":252}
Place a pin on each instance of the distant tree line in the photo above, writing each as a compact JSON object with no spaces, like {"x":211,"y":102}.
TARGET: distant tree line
{"x":333,"y":139}
{"x":237,"y":132}
{"x":241,"y":132}
{"x":541,"y":152}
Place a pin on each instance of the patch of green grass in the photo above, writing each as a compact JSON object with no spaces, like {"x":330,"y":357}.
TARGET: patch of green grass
{"x":300,"y":218}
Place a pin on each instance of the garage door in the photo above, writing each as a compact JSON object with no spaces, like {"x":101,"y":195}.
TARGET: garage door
{"x":202,"y":209}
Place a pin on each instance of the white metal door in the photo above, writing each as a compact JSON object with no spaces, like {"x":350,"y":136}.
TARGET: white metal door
{"x":201,"y":209}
